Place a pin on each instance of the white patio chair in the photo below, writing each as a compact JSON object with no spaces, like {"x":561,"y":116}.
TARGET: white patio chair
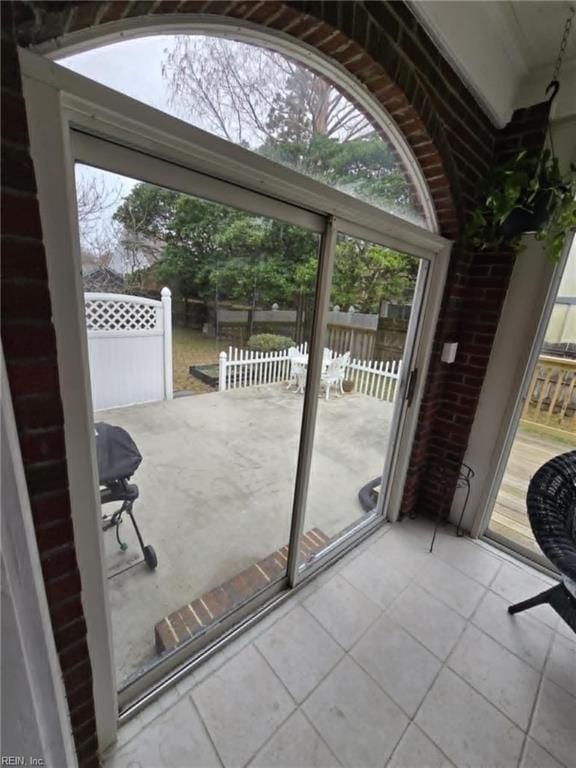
{"x":334,"y":374}
{"x":297,"y":370}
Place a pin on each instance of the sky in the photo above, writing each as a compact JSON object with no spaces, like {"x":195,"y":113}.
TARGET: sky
{"x":132,"y":67}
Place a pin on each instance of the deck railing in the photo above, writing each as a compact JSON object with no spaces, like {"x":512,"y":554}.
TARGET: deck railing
{"x":551,"y":400}
{"x":241,"y":368}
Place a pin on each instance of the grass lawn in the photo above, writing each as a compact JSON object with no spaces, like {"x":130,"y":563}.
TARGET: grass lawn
{"x":190,"y":347}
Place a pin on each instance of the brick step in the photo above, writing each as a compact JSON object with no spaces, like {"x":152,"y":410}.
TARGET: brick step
{"x":193,"y":618}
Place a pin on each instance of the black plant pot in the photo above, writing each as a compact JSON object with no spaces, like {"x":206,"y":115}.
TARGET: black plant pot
{"x":521,"y":221}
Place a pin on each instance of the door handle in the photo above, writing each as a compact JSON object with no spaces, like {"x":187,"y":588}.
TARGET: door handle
{"x":411,"y":386}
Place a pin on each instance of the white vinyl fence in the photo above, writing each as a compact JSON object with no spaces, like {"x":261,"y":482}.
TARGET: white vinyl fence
{"x":129,"y":348}
{"x":241,"y":368}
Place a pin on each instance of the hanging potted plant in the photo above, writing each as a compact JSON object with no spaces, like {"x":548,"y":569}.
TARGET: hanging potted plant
{"x":526,"y":194}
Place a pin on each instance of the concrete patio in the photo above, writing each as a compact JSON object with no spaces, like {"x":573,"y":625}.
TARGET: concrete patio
{"x":216,"y":487}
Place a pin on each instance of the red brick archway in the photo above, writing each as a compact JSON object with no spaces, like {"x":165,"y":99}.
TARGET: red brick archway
{"x":382,"y":45}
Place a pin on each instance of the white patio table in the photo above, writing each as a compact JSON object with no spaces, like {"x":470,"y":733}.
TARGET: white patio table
{"x":300,"y":361}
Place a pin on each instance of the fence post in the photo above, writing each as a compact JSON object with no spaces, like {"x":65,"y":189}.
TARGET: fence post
{"x":222,"y":372}
{"x":168,"y":374}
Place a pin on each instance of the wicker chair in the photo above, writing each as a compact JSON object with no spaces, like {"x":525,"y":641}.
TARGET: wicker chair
{"x":551,"y":503}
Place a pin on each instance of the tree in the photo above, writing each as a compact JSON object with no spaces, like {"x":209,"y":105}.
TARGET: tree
{"x":365,"y":274}
{"x":218,"y":253}
{"x":363,"y":167}
{"x":212,"y":251}
{"x":251,"y":95}
{"x":94,"y":198}
{"x":282,"y":109}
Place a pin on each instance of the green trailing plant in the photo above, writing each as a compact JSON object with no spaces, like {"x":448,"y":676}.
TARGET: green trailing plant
{"x":269,"y":342}
{"x":526,"y":193}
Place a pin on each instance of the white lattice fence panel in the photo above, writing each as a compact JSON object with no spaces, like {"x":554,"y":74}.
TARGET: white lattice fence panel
{"x":129,"y":348}
{"x":114,"y":315}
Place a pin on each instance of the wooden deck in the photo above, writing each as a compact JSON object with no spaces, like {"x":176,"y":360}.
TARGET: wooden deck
{"x":529,"y":452}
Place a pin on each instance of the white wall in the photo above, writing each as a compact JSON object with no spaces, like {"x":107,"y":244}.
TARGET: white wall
{"x":508,"y":359}
{"x":20,"y":730}
{"x":34,"y":718}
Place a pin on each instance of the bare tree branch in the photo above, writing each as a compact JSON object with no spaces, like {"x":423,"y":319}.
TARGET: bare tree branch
{"x":243,"y":93}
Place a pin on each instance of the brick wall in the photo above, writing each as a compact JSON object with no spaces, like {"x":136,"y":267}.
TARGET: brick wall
{"x":382,"y":45}
{"x":29,"y":347}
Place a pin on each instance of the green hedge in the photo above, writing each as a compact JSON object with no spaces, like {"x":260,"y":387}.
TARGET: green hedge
{"x":269,"y":342}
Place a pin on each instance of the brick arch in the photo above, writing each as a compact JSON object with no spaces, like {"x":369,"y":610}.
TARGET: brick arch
{"x":404,"y":100}
{"x":382,"y":47}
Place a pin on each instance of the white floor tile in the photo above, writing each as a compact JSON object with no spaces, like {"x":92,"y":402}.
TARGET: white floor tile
{"x":430,"y":621}
{"x":468,"y":557}
{"x":527,"y":638}
{"x":319,"y":580}
{"x":417,"y":751}
{"x":300,"y":651}
{"x":217,"y":660}
{"x":169,"y":698}
{"x":134,"y":726}
{"x":399,"y":664}
{"x":565,"y":630}
{"x":175,"y":739}
{"x":242,"y":704}
{"x":399,"y":611}
{"x":342,"y":610}
{"x":294,"y":744}
{"x":469,"y":730}
{"x":561,"y":663}
{"x":517,"y":584}
{"x":451,"y":586}
{"x":536,"y":757}
{"x":378,"y":581}
{"x":554,"y":725}
{"x":357,"y":720}
{"x":402,"y":551}
{"x":504,"y":679}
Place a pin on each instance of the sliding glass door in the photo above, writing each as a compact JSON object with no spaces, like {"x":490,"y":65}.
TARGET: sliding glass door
{"x":196,"y":483}
{"x":547,"y":423}
{"x":248,"y":366}
{"x":238,"y":347}
{"x":364,"y":346}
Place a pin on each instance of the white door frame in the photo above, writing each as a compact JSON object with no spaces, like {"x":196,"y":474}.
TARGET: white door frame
{"x":50,"y":150}
{"x":517,"y":345}
{"x":61,"y":105}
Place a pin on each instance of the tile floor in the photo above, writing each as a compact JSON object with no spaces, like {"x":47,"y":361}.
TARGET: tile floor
{"x":394,"y":657}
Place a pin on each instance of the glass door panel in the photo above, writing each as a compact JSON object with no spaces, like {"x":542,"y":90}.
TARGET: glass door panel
{"x":364,"y":344}
{"x":547,"y":425}
{"x":197,"y":403}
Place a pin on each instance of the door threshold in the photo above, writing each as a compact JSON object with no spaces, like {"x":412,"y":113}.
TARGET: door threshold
{"x":518,"y":552}
{"x":237,"y":628}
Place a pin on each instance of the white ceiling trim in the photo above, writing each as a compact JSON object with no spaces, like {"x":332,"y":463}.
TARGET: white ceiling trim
{"x":487,"y":45}
{"x":506,"y":26}
{"x":470,"y":35}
